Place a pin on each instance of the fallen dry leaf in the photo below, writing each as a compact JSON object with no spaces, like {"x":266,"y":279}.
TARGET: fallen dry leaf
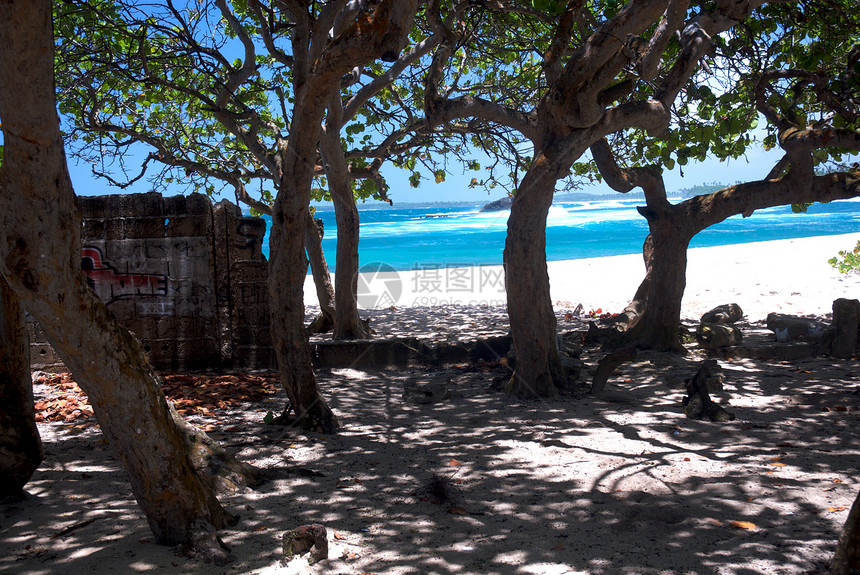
{"x":840,"y":408}
{"x":558,"y":547}
{"x":454,"y":463}
{"x":742,"y":525}
{"x":777,"y":464}
{"x":457,"y":511}
{"x":339,"y":535}
{"x":835,"y":509}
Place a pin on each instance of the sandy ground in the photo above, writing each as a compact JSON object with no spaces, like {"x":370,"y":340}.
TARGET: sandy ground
{"x":481,"y":483}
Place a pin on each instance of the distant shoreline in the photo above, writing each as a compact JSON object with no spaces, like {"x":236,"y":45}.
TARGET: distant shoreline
{"x":786,"y":276}
{"x":559,"y":199}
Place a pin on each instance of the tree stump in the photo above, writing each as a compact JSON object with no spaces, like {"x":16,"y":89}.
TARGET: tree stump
{"x":306,"y":538}
{"x":698,"y":404}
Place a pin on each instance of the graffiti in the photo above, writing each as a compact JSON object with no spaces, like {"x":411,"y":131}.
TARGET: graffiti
{"x":111,"y":285}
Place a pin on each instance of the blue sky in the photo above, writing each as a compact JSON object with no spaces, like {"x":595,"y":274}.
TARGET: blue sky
{"x":754,"y":166}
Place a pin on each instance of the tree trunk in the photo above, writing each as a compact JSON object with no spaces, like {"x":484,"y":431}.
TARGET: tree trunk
{"x":322,"y":278}
{"x":347,"y":323}
{"x":20,"y":445}
{"x":40,"y":258}
{"x":674,"y":226}
{"x":316,"y":80}
{"x":287,"y":268}
{"x":663,"y":288}
{"x":630,"y":315}
{"x":533,"y":323}
{"x":846,"y":560}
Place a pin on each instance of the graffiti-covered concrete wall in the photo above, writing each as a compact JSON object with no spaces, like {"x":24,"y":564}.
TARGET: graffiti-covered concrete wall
{"x":188,"y":278}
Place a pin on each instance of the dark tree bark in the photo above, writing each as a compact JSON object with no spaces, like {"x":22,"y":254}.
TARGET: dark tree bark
{"x":846,"y":560}
{"x":322,"y":278}
{"x":20,"y":444}
{"x":40,"y":258}
{"x":287,"y":269}
{"x":533,"y":323}
{"x":663,"y":291}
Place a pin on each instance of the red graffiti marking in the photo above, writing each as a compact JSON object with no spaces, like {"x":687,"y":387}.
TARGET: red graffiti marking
{"x":111,"y":285}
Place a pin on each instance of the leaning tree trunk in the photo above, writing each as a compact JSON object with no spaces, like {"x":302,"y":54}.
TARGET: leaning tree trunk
{"x":347,"y":322}
{"x":846,"y":560}
{"x":674,"y":226}
{"x":322,"y":278}
{"x":287,"y":269}
{"x":40,"y":259}
{"x":658,"y":327}
{"x":20,"y":445}
{"x":533,"y":323}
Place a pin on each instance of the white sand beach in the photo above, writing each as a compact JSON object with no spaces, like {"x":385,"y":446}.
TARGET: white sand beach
{"x":786,"y":276}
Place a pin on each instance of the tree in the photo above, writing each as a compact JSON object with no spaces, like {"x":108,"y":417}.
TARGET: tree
{"x":40,"y":255}
{"x":846,"y":560}
{"x":20,"y":444}
{"x":162,"y":96}
{"x":798,"y":75}
{"x":654,"y":315}
{"x":602,"y":68}
{"x":255,"y":118}
{"x":343,"y":167}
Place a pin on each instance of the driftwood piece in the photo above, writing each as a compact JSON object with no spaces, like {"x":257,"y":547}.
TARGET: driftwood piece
{"x":698,"y":403}
{"x":714,"y":335}
{"x":607,"y":366}
{"x":724,"y":314}
{"x":306,"y":538}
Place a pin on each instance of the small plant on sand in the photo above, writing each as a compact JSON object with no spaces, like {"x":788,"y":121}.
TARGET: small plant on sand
{"x":850,"y":261}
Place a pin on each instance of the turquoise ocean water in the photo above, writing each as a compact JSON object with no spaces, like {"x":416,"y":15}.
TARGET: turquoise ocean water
{"x":411,"y":238}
